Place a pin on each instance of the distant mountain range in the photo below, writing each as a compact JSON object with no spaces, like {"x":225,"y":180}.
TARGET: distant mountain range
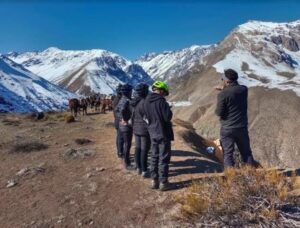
{"x":82,"y":72}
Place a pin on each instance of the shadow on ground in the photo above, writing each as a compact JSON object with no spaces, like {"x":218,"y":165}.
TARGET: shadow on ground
{"x":191,"y":165}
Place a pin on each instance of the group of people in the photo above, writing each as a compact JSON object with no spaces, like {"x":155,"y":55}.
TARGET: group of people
{"x":147,"y":116}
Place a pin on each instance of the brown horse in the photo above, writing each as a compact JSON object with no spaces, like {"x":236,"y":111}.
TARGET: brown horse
{"x":97,"y":104}
{"x":74,"y":106}
{"x":84,"y":105}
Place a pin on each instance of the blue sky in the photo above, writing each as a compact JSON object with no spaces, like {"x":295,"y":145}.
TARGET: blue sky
{"x":130,"y":28}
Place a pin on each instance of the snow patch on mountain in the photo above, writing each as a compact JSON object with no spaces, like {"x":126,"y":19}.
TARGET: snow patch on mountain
{"x":22,"y":91}
{"x":171,"y":64}
{"x":266,"y":54}
{"x":96,"y":70}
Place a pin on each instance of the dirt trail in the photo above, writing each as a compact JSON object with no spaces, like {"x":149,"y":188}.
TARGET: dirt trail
{"x":91,"y":191}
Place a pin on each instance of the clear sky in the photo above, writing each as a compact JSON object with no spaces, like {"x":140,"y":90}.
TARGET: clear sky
{"x":130,"y":28}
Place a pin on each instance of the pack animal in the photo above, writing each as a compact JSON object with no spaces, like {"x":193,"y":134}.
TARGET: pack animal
{"x":74,"y":106}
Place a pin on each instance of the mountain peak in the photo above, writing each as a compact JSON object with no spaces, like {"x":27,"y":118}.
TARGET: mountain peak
{"x":52,"y":49}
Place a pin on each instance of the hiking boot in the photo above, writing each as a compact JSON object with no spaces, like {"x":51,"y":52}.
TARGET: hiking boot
{"x":129,"y":167}
{"x":139,"y":171}
{"x":144,"y":174}
{"x":165,"y":186}
{"x":154,"y":184}
{"x":120,"y":156}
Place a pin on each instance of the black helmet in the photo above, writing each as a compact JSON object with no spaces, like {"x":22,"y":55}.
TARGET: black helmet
{"x":126,"y":89}
{"x":141,"y":89}
{"x":118,"y":89}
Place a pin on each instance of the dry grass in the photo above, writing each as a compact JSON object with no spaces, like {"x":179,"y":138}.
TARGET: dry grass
{"x":11,"y":122}
{"x":28,"y":146}
{"x":56,"y":116}
{"x":242,"y":197}
{"x":69,"y":119}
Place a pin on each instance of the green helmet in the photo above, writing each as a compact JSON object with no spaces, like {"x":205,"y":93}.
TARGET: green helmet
{"x":161,"y":85}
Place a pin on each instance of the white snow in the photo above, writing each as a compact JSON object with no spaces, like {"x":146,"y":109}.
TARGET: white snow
{"x":22,"y":91}
{"x":181,"y":103}
{"x":170,"y":64}
{"x":105,"y":69}
{"x":266,"y":75}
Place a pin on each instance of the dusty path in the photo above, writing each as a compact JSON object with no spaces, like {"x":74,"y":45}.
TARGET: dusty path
{"x":91,"y":191}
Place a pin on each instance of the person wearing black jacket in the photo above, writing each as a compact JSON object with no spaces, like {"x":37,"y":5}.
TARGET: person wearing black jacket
{"x":232,"y":109}
{"x":158,"y":116}
{"x":119,"y":137}
{"x":142,"y":138}
{"x":124,"y":113}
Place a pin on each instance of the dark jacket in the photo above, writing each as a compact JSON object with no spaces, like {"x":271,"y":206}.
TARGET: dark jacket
{"x":158,"y":115}
{"x":124,"y":113}
{"x":232,"y":106}
{"x":114,"y":106}
{"x":138,"y":123}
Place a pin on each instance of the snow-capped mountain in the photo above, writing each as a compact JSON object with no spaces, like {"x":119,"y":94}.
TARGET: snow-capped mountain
{"x":22,"y":91}
{"x":173,"y":64}
{"x":265,"y":54}
{"x":82,"y":72}
{"x":267,"y":58}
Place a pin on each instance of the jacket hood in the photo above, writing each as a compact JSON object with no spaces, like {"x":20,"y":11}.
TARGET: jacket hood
{"x":155,"y":97}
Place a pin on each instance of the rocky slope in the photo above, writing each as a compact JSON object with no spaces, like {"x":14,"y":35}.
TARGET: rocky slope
{"x":267,"y":57}
{"x":22,"y":91}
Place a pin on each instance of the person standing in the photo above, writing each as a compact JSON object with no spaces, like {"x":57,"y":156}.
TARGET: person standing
{"x":140,"y":130}
{"x":158,"y":115}
{"x":124,"y":113}
{"x":119,"y":137}
{"x":232,"y":108}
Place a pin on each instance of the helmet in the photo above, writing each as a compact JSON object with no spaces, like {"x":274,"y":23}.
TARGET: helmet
{"x":118,"y":89}
{"x":126,"y":89}
{"x":141,"y":89}
{"x":161,"y":85}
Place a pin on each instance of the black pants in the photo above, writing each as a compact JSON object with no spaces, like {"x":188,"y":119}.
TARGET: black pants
{"x":142,"y":146}
{"x":119,"y":143}
{"x":240,"y":137}
{"x":127,"y":137}
{"x":160,"y":159}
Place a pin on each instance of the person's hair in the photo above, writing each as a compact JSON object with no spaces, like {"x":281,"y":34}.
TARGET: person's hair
{"x":232,"y":75}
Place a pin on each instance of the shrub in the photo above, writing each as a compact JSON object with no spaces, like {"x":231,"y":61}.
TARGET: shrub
{"x":69,"y":119}
{"x":82,"y":141}
{"x":11,"y":122}
{"x":242,"y":197}
{"x":27,"y":147}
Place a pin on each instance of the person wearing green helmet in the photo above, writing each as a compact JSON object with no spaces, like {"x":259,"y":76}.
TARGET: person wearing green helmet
{"x":158,"y":116}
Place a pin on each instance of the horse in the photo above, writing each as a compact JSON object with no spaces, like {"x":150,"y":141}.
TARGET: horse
{"x":84,"y":105}
{"x":97,"y":104}
{"x":74,"y":106}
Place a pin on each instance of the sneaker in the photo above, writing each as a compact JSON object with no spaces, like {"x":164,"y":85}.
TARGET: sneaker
{"x":165,"y":186}
{"x":154,"y":184}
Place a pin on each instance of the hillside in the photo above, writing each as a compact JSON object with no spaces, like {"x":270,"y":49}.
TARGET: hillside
{"x":173,"y":64}
{"x":59,"y":181}
{"x":82,"y":72}
{"x":22,"y":91}
{"x":266,"y":55}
